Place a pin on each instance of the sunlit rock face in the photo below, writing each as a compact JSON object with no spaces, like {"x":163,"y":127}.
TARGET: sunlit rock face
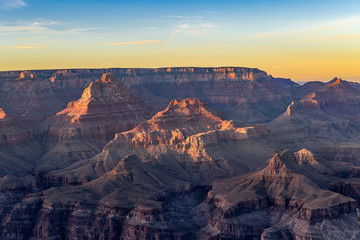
{"x":83,"y":128}
{"x":105,"y":108}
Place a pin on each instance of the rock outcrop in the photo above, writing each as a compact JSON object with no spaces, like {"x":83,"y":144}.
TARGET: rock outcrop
{"x":183,"y":136}
{"x":105,"y":108}
{"x":331,"y":112}
{"x":82,"y":129}
{"x":284,"y":194}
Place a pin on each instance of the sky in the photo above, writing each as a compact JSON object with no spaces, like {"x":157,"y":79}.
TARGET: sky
{"x":302,"y":40}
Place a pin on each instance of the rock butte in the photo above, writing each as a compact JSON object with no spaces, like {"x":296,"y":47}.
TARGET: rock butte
{"x":177,"y":153}
{"x":84,"y":127}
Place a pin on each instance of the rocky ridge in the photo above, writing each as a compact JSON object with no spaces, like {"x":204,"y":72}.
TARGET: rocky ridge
{"x":329,"y":112}
{"x":282,"y":196}
{"x":186,"y":131}
{"x":234,"y":90}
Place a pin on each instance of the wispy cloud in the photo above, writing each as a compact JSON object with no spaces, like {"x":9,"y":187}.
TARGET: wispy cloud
{"x":193,"y":32}
{"x":185,"y":17}
{"x":159,"y":29}
{"x":185,"y":26}
{"x":10,"y":4}
{"x":144,"y":42}
{"x":194,"y":29}
{"x":32,"y":46}
{"x":38,"y":27}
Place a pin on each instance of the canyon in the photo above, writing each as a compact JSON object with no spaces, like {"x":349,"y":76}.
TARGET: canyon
{"x":177,"y":153}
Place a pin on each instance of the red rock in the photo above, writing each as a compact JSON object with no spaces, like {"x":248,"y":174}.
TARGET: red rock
{"x":105,"y":108}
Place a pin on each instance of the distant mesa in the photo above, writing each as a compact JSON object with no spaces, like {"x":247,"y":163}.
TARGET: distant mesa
{"x":58,"y":74}
{"x":26,"y":75}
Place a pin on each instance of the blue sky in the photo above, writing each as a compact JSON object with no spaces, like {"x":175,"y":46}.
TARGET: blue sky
{"x":281,"y":37}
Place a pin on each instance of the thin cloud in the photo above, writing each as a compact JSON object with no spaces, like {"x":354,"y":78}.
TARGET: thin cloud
{"x":77,"y":30}
{"x":32,"y":46}
{"x":194,"y":29}
{"x":11,"y":4}
{"x":185,"y":26}
{"x":38,"y":27}
{"x":27,"y":47}
{"x":193,"y":32}
{"x":159,"y":29}
{"x":186,"y":17}
{"x":145,"y":42}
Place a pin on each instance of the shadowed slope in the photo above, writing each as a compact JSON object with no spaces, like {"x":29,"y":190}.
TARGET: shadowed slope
{"x":291,"y":194}
{"x":330,"y":112}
